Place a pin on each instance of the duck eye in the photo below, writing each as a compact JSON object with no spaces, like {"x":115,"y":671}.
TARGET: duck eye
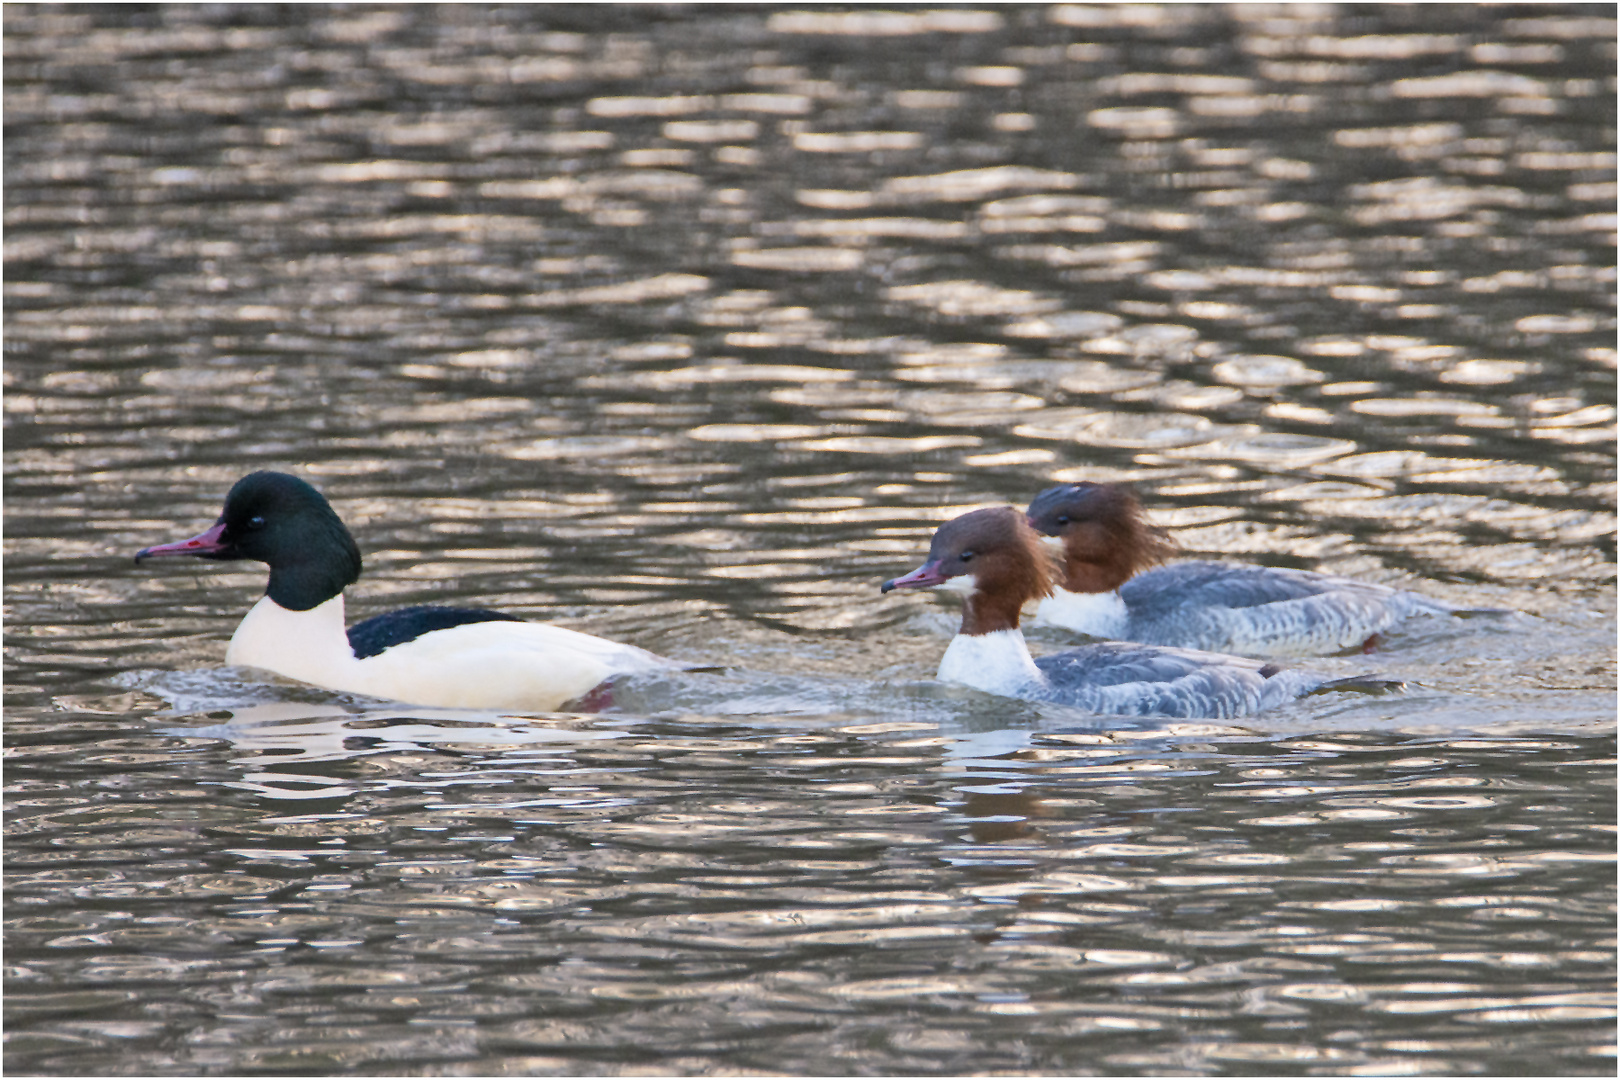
{"x":967,"y":556}
{"x":255,"y":522}
{"x":1063,"y":519}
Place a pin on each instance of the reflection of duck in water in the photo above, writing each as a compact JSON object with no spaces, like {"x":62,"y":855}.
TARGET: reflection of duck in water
{"x":288,"y":749}
{"x":301,"y":732}
{"x":437,"y":656}
{"x":1106,"y":589}
{"x":1000,"y":563}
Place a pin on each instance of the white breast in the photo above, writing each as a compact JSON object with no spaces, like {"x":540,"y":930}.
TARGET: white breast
{"x":1102,"y":615}
{"x":997,"y":663}
{"x":310,"y":646}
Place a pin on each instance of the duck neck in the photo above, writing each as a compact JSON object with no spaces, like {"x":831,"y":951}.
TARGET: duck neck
{"x":990,"y":613}
{"x":321,"y":567}
{"x":305,"y":586}
{"x":1101,"y":558}
{"x":1084,"y":573}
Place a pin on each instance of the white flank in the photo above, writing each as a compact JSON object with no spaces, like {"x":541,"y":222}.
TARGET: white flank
{"x":485,"y":665}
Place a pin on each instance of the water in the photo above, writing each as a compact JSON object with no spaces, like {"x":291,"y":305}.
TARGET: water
{"x":687,"y":326}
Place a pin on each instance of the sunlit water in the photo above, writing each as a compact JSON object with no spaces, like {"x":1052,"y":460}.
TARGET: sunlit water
{"x":687,"y":327}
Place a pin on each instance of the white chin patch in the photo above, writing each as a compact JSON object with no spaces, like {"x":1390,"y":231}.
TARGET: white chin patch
{"x":1053,"y":542}
{"x":961,"y":583}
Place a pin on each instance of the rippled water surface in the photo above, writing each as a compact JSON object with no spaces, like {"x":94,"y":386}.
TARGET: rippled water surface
{"x":686,"y":326}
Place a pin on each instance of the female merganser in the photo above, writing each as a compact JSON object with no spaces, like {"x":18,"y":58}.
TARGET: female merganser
{"x":1000,"y":563}
{"x":434,"y":656}
{"x":1105,"y":589}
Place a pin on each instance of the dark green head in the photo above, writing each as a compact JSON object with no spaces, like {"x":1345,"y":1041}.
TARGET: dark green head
{"x":281,"y":521}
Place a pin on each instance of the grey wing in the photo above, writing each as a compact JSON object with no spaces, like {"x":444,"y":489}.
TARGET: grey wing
{"x":1230,"y":585}
{"x":1259,"y":609}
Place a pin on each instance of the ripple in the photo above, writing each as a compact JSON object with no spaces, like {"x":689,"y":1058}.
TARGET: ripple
{"x":801,"y":259}
{"x":658,"y":287}
{"x":1439,"y":802}
{"x":1273,"y":449}
{"x":1100,"y":377}
{"x":885,"y":23}
{"x":1137,"y":431}
{"x":752,"y":432}
{"x":888,"y":444}
{"x":969,"y":185}
{"x":1488,"y":372}
{"x":623,"y":285}
{"x":1265,"y":371}
{"x":711,"y":131}
{"x":1424,"y":405}
{"x":1275,"y":1053}
{"x":1470,"y":84}
{"x":909,"y":987}
{"x":859,"y":229}
{"x":951,"y":406}
{"x":1126,"y":257}
{"x":588,"y":447}
{"x":1044,"y":213}
{"x":1065,"y":324}
{"x":1138,"y":122}
{"x":971,"y":298}
{"x":856,"y":142}
{"x":719,"y":373}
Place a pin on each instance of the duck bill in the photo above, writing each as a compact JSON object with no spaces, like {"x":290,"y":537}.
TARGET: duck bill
{"x":925,"y":576}
{"x":207,"y":545}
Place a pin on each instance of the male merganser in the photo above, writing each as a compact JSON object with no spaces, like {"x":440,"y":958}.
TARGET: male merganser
{"x":995,"y":558}
{"x":434,"y":656}
{"x":1106,"y":589}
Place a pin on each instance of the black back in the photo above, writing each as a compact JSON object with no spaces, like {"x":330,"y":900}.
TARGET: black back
{"x":382,"y":632}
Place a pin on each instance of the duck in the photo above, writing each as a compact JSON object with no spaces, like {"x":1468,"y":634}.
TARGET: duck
{"x":1115,"y":582}
{"x":444,"y":657}
{"x":999,"y":563}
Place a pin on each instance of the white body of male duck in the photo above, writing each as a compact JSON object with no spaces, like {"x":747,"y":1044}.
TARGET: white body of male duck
{"x":1000,"y":564}
{"x":432,"y":656}
{"x":1106,"y":590}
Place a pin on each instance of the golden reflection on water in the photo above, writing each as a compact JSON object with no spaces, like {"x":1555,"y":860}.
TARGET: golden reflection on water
{"x":694,"y":345}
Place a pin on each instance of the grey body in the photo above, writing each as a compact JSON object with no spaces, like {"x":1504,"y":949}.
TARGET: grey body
{"x":1239,"y":608}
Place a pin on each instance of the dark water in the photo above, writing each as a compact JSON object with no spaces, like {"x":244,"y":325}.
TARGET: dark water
{"x":686,"y":326}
